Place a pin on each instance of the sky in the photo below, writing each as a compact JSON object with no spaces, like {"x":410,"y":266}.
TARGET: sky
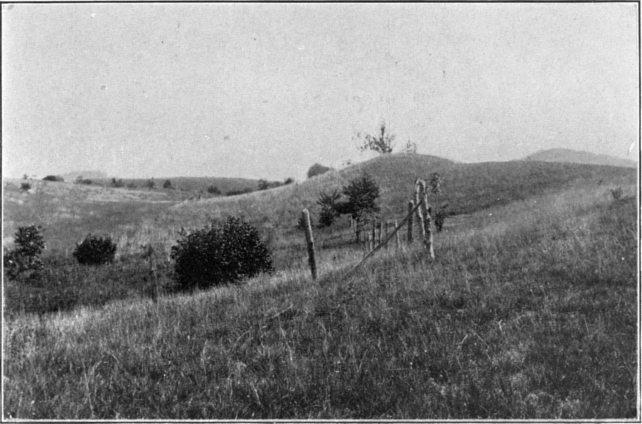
{"x":266,"y":90}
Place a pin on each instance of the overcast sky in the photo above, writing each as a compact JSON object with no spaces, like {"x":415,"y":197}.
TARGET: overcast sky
{"x":267,"y":90}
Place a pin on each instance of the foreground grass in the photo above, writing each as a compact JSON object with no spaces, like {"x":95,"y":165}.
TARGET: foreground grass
{"x":532,"y":315}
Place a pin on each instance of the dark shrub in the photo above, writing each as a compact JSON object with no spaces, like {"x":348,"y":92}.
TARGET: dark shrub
{"x":25,"y":186}
{"x":95,"y":250}
{"x":219,"y":254}
{"x":317,"y":169}
{"x":213,"y":190}
{"x":54,"y":178}
{"x":167,"y":184}
{"x":237,"y":192}
{"x":117,"y":183}
{"x":263,"y":184}
{"x":24,"y":261}
{"x":288,"y":181}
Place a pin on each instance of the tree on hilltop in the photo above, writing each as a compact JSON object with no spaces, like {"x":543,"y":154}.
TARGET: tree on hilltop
{"x":382,"y":144}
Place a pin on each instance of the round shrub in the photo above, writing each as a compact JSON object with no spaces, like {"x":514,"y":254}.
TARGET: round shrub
{"x":95,"y":250}
{"x":219,"y":254}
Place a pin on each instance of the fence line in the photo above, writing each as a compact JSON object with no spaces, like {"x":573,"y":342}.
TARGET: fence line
{"x":385,"y":241}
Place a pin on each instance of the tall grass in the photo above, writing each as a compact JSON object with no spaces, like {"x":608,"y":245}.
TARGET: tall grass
{"x":531,"y":316}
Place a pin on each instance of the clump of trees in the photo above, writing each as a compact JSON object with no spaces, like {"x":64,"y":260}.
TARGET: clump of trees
{"x":23,"y":262}
{"x":213,"y":190}
{"x":117,"y":183}
{"x":317,"y":169}
{"x":222,"y":253}
{"x":265,"y":184}
{"x":357,"y":199}
{"x":54,"y":178}
{"x":95,"y":250}
{"x":85,"y":181}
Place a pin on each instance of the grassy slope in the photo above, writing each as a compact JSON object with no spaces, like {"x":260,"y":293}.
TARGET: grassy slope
{"x":532,"y":315}
{"x":138,"y":217}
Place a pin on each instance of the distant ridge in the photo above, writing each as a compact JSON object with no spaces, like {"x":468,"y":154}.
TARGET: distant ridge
{"x":575,"y":156}
{"x":88,"y":175}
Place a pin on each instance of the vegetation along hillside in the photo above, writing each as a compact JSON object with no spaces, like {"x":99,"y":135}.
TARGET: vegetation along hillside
{"x":529,"y":311}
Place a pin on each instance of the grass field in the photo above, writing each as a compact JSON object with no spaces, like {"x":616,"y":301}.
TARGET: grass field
{"x":528,"y":311}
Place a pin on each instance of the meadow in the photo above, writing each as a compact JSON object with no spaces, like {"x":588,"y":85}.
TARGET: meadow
{"x":530,"y":310}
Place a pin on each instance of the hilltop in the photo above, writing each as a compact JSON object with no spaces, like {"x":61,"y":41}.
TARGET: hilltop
{"x":574,"y":156}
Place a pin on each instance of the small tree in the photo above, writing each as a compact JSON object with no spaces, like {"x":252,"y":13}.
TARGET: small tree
{"x":329,"y":209}
{"x":362,"y":194}
{"x":263,"y":184}
{"x":411,"y":147}
{"x":435,"y":183}
{"x":24,"y":261}
{"x":150,"y":184}
{"x":288,"y":180}
{"x":317,"y":169}
{"x":382,"y":144}
{"x":167,"y":184}
{"x":440,"y":217}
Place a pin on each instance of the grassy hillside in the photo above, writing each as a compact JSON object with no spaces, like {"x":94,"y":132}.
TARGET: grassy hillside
{"x":71,"y":211}
{"x":528,"y":312}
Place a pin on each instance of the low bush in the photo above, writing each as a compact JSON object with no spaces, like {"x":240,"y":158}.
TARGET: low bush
{"x":95,"y":250}
{"x":219,"y":254}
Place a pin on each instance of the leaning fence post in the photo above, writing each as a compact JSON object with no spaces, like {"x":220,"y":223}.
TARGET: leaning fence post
{"x":411,"y":206}
{"x":310,"y":241}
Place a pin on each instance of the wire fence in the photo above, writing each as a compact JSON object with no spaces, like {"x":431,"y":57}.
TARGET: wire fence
{"x":349,"y":237}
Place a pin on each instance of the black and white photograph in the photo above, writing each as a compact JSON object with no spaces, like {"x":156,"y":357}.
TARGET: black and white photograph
{"x":391,"y":211}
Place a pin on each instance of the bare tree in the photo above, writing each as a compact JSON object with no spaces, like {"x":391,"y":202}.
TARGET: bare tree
{"x":382,"y":143}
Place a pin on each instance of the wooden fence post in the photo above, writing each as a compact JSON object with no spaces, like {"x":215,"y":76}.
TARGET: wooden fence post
{"x":411,"y":206}
{"x":370,"y":244}
{"x":420,"y":190}
{"x":427,"y":225}
{"x":310,"y":241}
{"x":397,"y":242}
{"x":380,"y":239}
{"x":373,"y":233}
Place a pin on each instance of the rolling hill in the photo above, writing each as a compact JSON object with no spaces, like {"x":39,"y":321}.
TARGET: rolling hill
{"x":152,"y":216}
{"x":574,"y":156}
